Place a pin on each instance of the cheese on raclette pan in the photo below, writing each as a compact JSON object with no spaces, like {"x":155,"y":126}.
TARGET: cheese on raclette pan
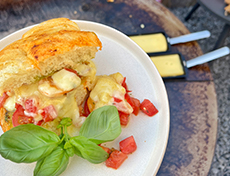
{"x":151,"y":43}
{"x":168,"y":65}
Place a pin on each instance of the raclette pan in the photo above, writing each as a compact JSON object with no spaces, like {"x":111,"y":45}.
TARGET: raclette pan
{"x":174,"y":65}
{"x":159,"y":42}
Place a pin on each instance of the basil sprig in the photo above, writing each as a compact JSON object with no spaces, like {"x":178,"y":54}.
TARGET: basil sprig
{"x":29,"y":143}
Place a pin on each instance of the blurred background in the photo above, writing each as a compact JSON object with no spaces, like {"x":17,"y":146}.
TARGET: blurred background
{"x":202,"y":19}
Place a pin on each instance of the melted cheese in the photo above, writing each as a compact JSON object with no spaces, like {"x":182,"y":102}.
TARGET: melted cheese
{"x":108,"y":87}
{"x":88,"y":69}
{"x":168,"y":65}
{"x":66,"y":80}
{"x":104,"y":91}
{"x":48,"y":89}
{"x":65,"y":105}
{"x":10,"y":104}
{"x":151,"y":43}
{"x":62,"y":103}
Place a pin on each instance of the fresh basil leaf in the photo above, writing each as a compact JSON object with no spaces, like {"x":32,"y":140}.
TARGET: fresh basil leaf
{"x":102,"y":125}
{"x":53,"y":164}
{"x":69,"y":149}
{"x":89,"y":150}
{"x":65,"y":122}
{"x":27,"y":143}
{"x":77,"y":151}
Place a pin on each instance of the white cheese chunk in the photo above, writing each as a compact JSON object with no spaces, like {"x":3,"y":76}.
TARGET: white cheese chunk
{"x":10,"y":104}
{"x":66,"y":80}
{"x":46,"y":88}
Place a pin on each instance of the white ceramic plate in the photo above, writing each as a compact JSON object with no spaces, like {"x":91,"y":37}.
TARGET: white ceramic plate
{"x":119,"y":54}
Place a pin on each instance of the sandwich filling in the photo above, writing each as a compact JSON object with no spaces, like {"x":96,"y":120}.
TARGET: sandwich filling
{"x":66,"y":93}
{"x":51,"y":98}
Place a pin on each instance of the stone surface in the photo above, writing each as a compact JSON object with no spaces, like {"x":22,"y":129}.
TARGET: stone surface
{"x":204,"y":20}
{"x":178,"y":3}
{"x":191,"y":130}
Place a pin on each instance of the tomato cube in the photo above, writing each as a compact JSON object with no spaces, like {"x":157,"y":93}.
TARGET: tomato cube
{"x":128,"y":145}
{"x":19,"y":117}
{"x":128,"y":99}
{"x":148,"y":108}
{"x":117,"y":100}
{"x":49,"y":113}
{"x":135,"y":106}
{"x":134,"y":102}
{"x":125,"y":85}
{"x":31,"y":105}
{"x":115,"y":159}
{"x":124,"y":118}
{"x":86,"y":110}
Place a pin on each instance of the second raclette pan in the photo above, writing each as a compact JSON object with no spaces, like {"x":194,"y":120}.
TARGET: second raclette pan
{"x":174,"y":66}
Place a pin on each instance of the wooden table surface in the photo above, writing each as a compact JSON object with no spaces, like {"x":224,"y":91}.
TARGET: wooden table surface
{"x":193,"y":105}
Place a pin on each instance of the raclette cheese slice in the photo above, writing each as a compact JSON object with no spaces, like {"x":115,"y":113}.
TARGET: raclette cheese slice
{"x":168,"y":65}
{"x":151,"y":43}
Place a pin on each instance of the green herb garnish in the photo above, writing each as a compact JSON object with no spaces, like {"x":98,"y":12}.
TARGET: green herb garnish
{"x":102,"y":125}
{"x":29,"y":143}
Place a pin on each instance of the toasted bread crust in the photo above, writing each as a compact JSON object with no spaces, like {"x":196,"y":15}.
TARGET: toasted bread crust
{"x":47,"y":47}
{"x":51,"y":26}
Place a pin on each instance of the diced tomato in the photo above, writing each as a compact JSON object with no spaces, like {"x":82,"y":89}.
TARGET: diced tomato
{"x":19,"y":117}
{"x":128,"y":145}
{"x":124,"y":118}
{"x":39,"y":123}
{"x":49,"y":113}
{"x":86,"y":109}
{"x":136,"y":105}
{"x":125,"y":85}
{"x":3,"y":99}
{"x":134,"y":102}
{"x":106,"y":149}
{"x":31,"y":105}
{"x":117,"y":100}
{"x":115,"y":159}
{"x":129,"y":99}
{"x":148,"y":108}
{"x":19,"y":109}
{"x":72,"y":70}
